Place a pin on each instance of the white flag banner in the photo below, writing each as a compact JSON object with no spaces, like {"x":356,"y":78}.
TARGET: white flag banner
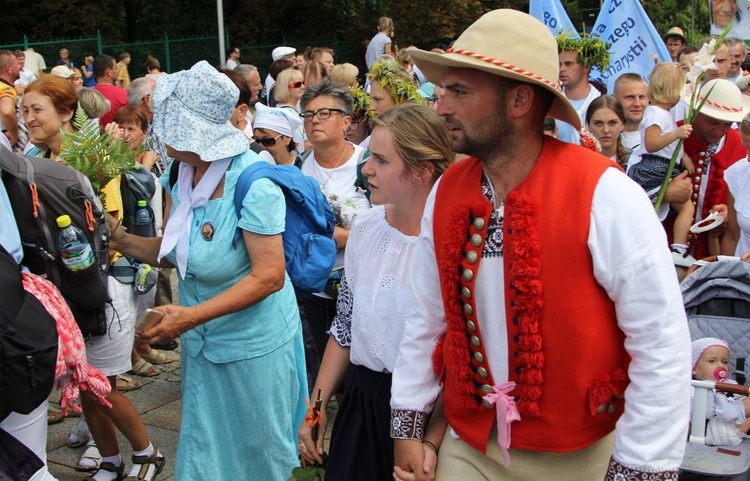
{"x":636,"y":46}
{"x":553,"y":15}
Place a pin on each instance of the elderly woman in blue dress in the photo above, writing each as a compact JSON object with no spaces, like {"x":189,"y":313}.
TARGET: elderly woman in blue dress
{"x":243,"y":368}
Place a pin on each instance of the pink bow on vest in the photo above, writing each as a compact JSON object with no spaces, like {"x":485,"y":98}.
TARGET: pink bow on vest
{"x":507,"y":412}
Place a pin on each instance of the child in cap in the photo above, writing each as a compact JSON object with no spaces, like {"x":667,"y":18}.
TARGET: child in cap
{"x":727,"y":415}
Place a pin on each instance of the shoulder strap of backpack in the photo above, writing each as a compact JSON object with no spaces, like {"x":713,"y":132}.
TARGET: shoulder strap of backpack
{"x":41,"y":221}
{"x":251,"y":173}
{"x":301,"y":158}
{"x":174,"y":171}
{"x":361,"y":181}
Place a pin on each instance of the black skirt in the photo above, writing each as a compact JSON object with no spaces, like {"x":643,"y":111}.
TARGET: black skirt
{"x":361,"y":445}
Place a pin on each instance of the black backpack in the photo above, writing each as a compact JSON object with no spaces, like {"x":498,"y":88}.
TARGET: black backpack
{"x":41,"y":190}
{"x":28,"y":344}
{"x":137,"y":184}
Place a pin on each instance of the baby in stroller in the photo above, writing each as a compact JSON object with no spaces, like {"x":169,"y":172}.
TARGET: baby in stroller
{"x":727,"y":415}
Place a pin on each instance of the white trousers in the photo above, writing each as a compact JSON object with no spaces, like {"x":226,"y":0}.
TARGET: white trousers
{"x":31,"y":430}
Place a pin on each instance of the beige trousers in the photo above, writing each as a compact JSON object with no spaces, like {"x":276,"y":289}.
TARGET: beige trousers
{"x":459,"y":461}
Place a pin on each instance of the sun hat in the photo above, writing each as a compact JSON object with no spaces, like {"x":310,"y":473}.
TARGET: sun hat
{"x":281,"y":52}
{"x":507,"y":43}
{"x":192,"y":110}
{"x":675,"y":32}
{"x":700,"y":345}
{"x":282,"y":120}
{"x":724,"y":101}
{"x":61,"y":71}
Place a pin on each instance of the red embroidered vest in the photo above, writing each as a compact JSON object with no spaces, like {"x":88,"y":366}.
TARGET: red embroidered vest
{"x":716,"y":188}
{"x":566,"y":352}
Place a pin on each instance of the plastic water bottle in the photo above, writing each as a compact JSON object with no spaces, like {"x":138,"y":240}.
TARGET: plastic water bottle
{"x":75,"y":250}
{"x":142,"y":220}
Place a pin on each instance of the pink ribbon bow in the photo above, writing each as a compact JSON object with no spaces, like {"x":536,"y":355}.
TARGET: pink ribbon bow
{"x":507,"y":412}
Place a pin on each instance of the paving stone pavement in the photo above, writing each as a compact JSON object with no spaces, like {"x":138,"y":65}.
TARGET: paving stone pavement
{"x":158,"y":402}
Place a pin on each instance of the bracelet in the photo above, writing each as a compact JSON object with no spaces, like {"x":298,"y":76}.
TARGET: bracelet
{"x":433,"y":445}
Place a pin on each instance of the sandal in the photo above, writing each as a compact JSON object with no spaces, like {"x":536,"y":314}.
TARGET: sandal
{"x":118,"y":470}
{"x":78,"y":437}
{"x":54,"y":417}
{"x":91,"y":459}
{"x":157,"y":356}
{"x":145,"y":369}
{"x":125,"y":384}
{"x":157,"y":459}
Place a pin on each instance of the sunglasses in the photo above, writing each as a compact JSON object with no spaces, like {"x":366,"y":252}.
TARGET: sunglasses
{"x":296,"y":85}
{"x":267,"y":142}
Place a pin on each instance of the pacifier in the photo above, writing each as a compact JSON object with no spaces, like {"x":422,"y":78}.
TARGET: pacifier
{"x":721,"y":374}
{"x":711,"y":221}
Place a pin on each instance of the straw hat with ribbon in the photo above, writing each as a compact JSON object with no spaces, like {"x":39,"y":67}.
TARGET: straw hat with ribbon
{"x":506,"y":43}
{"x":723,"y":101}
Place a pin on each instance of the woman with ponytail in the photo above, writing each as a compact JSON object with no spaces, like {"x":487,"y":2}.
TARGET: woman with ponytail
{"x":605,"y":120}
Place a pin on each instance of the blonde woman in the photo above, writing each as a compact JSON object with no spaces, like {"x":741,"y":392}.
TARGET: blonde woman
{"x":289,"y":87}
{"x":410,"y":149}
{"x":346,"y":74}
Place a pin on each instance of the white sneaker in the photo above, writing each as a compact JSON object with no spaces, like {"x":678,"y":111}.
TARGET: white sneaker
{"x":682,"y":260}
{"x":90,"y":459}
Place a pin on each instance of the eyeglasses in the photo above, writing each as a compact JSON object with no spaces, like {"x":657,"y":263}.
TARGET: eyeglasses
{"x":267,"y":142}
{"x":296,"y":85}
{"x":322,"y":114}
{"x":354,"y":125}
{"x":430,"y":101}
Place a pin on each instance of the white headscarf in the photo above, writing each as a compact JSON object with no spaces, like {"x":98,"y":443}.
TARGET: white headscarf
{"x":177,"y":233}
{"x":282,"y":120}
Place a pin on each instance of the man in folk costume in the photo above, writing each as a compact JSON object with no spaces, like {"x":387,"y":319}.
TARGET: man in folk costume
{"x":713,"y":146}
{"x":558,"y":341}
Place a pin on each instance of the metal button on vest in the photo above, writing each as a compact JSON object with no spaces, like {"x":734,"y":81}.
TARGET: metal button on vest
{"x":611,"y":409}
{"x":478,"y":357}
{"x":468,"y":310}
{"x":479,"y":223}
{"x":487,"y":404}
{"x":472,"y":257}
{"x":468,"y":275}
{"x":699,"y":170}
{"x":600,"y":409}
{"x":466,"y":292}
{"x":482,"y":372}
{"x":486,"y":388}
{"x":476,"y":240}
{"x":471,"y":326}
{"x":475,"y":341}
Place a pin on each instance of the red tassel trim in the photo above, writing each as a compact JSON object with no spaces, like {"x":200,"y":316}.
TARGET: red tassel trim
{"x":525,"y":303}
{"x":607,"y":389}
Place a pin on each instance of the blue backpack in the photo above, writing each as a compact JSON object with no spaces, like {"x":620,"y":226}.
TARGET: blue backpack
{"x":309,"y":247}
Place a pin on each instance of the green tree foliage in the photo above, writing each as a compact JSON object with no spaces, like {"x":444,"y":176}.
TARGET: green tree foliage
{"x":268,"y":22}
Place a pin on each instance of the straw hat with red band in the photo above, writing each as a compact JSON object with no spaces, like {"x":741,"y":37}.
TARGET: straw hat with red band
{"x":724,"y":101}
{"x":506,"y":43}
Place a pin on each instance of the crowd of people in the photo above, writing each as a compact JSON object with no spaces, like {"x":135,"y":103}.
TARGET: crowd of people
{"x":497,"y":151}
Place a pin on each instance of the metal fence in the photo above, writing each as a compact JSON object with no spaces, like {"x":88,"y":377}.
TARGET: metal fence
{"x":176,"y":54}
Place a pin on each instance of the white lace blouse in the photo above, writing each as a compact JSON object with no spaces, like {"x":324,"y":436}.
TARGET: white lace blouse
{"x":375,"y":297}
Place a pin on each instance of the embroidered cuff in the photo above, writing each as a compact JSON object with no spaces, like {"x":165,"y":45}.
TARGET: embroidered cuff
{"x":407,"y":424}
{"x":622,"y":472}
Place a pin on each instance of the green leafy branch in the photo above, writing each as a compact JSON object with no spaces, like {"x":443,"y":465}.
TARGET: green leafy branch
{"x":94,"y":153}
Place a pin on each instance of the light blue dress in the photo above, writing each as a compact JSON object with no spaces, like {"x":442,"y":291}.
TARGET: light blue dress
{"x":243,"y":375}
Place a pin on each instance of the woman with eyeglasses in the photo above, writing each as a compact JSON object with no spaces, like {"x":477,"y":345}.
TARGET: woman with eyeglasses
{"x":278,"y":130}
{"x":290,"y":85}
{"x":327,"y":110}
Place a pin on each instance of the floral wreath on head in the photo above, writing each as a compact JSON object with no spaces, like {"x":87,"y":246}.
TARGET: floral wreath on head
{"x":395,"y":79}
{"x":592,"y":51}
{"x":361,"y":102}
